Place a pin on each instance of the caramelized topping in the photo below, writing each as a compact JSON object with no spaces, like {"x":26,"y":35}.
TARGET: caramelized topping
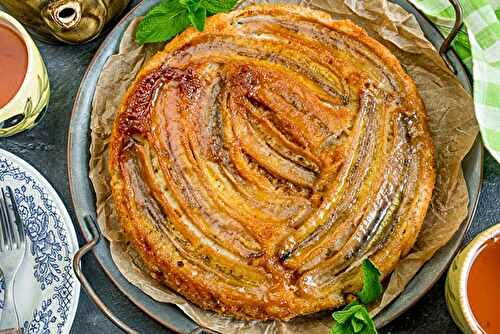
{"x":270,"y":155}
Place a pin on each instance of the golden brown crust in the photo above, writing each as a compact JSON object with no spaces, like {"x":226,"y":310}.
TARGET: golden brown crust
{"x":255,"y":164}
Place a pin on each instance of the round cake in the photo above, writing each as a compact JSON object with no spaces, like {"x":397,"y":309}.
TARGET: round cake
{"x":256,"y":164}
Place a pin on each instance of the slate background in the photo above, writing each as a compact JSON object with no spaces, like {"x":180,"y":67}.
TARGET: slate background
{"x":45,"y":148}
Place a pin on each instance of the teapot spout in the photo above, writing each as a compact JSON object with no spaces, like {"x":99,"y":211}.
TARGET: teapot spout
{"x":68,"y":21}
{"x":65,"y":14}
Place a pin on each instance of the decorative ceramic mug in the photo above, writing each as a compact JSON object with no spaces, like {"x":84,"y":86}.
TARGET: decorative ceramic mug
{"x":456,"y":282}
{"x":29,"y":104}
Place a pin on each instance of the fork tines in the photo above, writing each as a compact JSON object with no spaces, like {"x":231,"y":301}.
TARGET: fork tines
{"x":11,"y":231}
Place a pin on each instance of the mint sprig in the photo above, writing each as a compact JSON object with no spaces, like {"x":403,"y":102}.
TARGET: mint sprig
{"x":171,"y":17}
{"x":372,"y":288}
{"x":218,"y":6}
{"x":355,"y":318}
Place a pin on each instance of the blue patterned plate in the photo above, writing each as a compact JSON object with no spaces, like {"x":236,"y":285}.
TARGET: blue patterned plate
{"x":46,"y":288}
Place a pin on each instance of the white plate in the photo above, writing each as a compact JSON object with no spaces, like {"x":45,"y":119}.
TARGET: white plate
{"x":46,"y":289}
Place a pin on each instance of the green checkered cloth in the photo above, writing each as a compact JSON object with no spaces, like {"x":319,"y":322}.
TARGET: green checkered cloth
{"x":478,"y":45}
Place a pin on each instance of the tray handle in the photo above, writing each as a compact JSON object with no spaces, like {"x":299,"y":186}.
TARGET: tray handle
{"x":453,"y":33}
{"x":77,"y":260}
{"x":95,"y":237}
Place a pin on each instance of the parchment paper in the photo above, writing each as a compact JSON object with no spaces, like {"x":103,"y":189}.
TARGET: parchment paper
{"x":451,"y":121}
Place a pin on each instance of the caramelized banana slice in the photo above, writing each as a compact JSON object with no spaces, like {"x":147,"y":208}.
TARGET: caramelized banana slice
{"x":256,"y":164}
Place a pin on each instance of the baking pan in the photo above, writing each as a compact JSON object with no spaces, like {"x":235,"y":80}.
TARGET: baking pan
{"x":170,"y":316}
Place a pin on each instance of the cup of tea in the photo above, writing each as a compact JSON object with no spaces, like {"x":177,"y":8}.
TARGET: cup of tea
{"x":472,"y":290}
{"x":24,"y":83}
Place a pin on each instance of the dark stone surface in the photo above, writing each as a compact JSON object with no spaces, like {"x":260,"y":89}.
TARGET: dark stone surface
{"x":45,"y":148}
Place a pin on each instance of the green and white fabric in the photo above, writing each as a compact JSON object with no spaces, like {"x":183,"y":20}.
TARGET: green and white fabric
{"x":478,"y":45}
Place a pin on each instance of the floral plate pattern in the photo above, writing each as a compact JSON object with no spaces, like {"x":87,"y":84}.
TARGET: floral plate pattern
{"x":46,"y":288}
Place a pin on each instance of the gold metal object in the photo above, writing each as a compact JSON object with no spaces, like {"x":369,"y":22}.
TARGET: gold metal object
{"x":67,"y":21}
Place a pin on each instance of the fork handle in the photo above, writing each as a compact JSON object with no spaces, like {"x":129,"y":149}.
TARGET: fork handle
{"x":11,"y":331}
{"x":10,"y":320}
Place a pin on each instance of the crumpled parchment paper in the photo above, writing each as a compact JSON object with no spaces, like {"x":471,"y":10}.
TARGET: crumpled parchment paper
{"x":451,"y":122}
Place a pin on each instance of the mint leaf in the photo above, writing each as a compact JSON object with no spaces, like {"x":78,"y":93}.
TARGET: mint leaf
{"x":368,"y":324}
{"x":372,"y":288}
{"x":342,"y":329}
{"x":356,"y":324}
{"x":162,"y":23}
{"x":191,"y":5}
{"x":218,"y":6}
{"x":347,"y":313}
{"x":171,"y":17}
{"x":197,"y":18}
{"x":353,"y":319}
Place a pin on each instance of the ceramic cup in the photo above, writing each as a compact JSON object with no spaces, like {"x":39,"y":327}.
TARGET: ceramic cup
{"x":456,"y":282}
{"x":29,"y":104}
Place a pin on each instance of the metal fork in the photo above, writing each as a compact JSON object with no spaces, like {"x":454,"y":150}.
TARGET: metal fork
{"x":12,"y":248}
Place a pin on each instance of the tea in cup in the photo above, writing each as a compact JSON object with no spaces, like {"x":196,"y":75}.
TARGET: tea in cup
{"x":24,"y":83}
{"x":472,"y":289}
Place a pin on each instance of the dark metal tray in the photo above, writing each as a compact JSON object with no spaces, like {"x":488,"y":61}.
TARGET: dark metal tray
{"x":170,"y":316}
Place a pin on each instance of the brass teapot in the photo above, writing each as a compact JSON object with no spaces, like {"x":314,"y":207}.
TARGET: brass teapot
{"x":68,"y":21}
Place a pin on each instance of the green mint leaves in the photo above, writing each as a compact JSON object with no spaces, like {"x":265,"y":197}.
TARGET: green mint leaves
{"x":354,"y":318}
{"x":218,"y":6}
{"x":372,"y":288}
{"x":195,"y":13}
{"x":171,"y":17}
{"x":163,"y":22}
